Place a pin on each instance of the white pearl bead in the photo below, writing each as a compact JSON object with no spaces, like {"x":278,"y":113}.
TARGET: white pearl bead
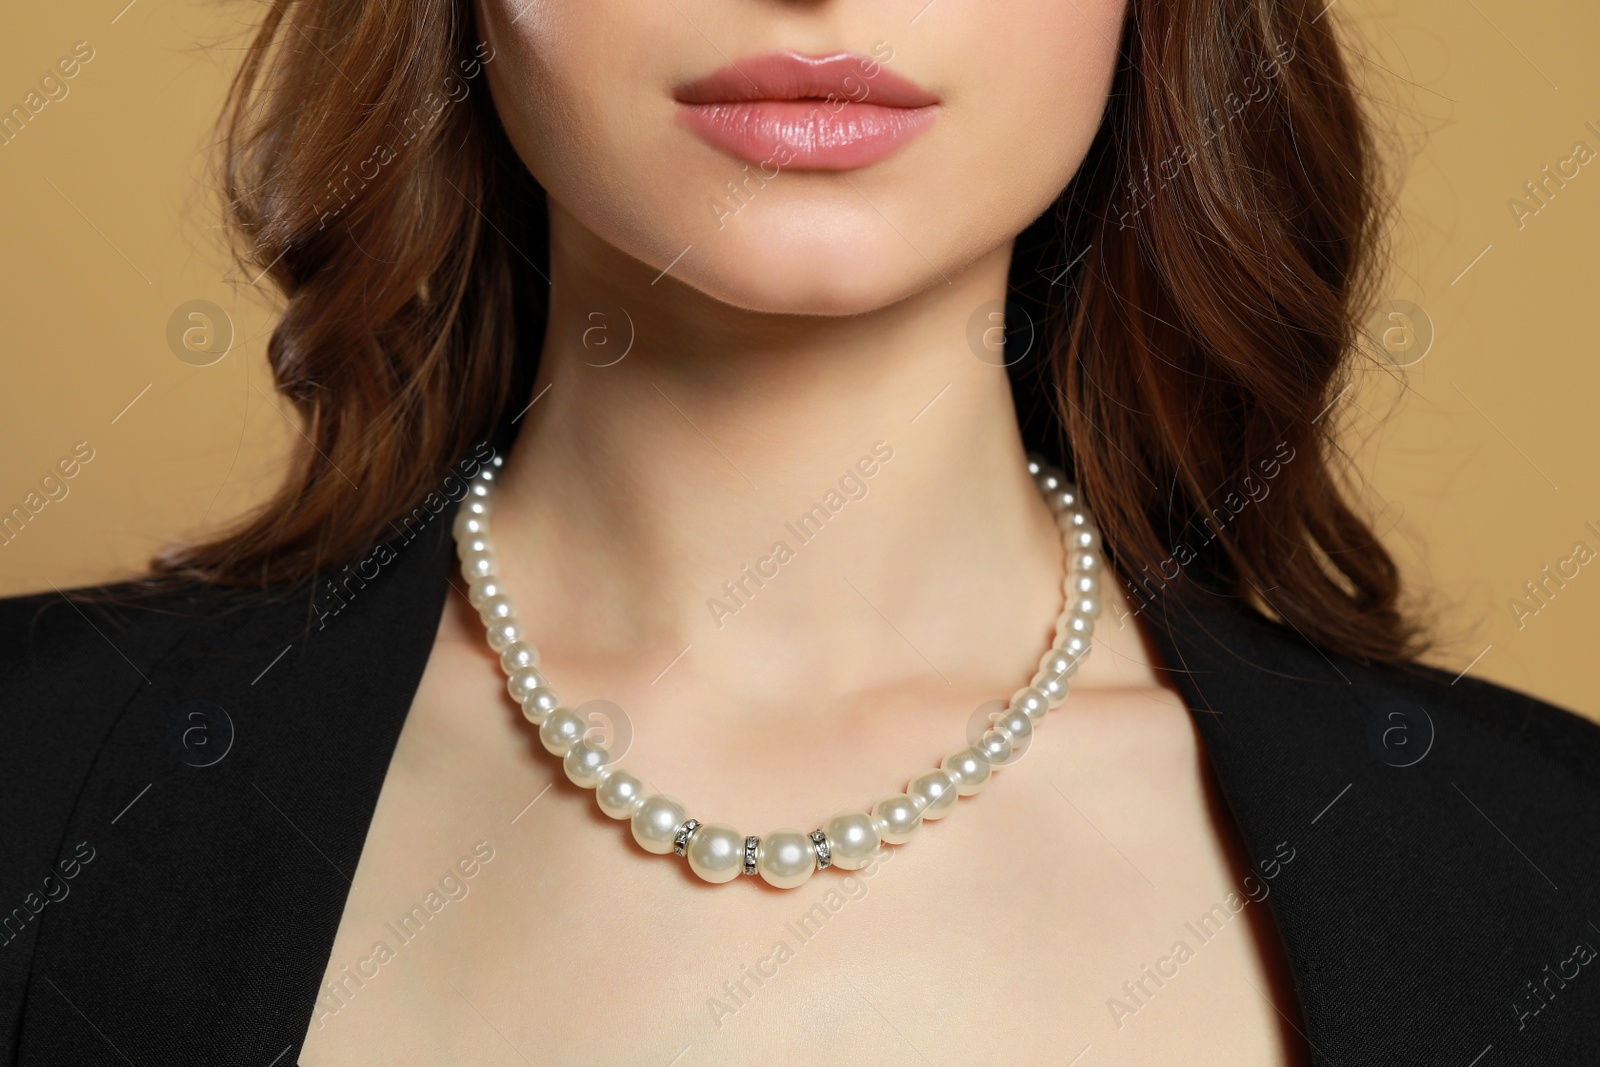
{"x":518,"y":655}
{"x":852,"y":840}
{"x":1075,"y":646}
{"x":968,"y":768}
{"x":1035,"y":464}
{"x":1086,"y":539}
{"x":485,"y":474}
{"x":716,"y":852}
{"x":935,"y":790}
{"x":1053,"y":686}
{"x":1086,"y":585}
{"x":495,"y":608}
{"x":478,"y":565}
{"x":1017,"y":726}
{"x":479,"y":490}
{"x":1057,"y":663}
{"x":503,"y":634}
{"x":995,"y":747}
{"x":478,"y":507}
{"x":537,"y":705}
{"x":583,"y":763}
{"x":522,"y":682}
{"x":1084,"y":562}
{"x":656,"y":823}
{"x":561,"y":729}
{"x":1048,"y":480}
{"x":784,"y":859}
{"x":1063,"y":499}
{"x":619,"y":793}
{"x":896,"y":818}
{"x":1030,"y":702}
{"x":1086,"y":605}
{"x":477,"y":544}
{"x":1080,"y":625}
{"x":479,"y":592}
{"x":467,"y":524}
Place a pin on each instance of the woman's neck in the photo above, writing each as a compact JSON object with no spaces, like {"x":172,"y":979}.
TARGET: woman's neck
{"x":816,"y":504}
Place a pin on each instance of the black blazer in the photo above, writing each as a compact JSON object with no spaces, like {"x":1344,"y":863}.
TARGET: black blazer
{"x":189,"y":780}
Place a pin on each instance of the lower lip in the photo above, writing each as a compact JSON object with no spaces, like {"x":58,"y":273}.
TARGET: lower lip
{"x":806,"y":134}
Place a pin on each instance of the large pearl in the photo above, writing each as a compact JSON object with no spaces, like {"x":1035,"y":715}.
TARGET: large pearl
{"x":716,"y":852}
{"x":1017,"y":726}
{"x":522,"y":682}
{"x":1030,"y":702}
{"x":478,"y":544}
{"x":467,"y":524}
{"x":562,"y":729}
{"x":785,"y":858}
{"x":479,"y":592}
{"x":969,"y":769}
{"x":619,"y":793}
{"x":1053,"y":686}
{"x":896,"y":818}
{"x":495,"y":608}
{"x":519,"y":655}
{"x":503,"y":634}
{"x":852,"y":840}
{"x":583,"y":763}
{"x":936,"y":791}
{"x":995,"y":747}
{"x":656,"y":823}
{"x":1057,"y":662}
{"x":1080,"y":625}
{"x":538,"y":705}
{"x":1082,"y":585}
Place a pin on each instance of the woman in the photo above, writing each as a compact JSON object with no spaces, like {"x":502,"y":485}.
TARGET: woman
{"x":688,"y":357}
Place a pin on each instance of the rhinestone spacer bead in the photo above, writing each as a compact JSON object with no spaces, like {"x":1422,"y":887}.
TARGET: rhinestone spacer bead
{"x":752,"y":846}
{"x":819,"y":841}
{"x":680,"y":840}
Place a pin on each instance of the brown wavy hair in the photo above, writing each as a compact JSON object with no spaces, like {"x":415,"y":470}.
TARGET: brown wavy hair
{"x":1196,"y":287}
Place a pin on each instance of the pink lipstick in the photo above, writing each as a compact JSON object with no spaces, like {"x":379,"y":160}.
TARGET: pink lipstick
{"x":785,"y":110}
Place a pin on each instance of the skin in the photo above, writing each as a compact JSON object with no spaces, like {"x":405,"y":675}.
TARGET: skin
{"x":829,"y":314}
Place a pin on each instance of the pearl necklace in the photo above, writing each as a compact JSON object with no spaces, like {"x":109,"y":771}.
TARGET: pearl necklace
{"x":784,"y":858}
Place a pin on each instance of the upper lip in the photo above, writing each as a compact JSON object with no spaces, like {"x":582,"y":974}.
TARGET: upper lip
{"x":785,"y":75}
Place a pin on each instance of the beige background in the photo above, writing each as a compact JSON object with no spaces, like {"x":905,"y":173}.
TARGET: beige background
{"x":1481,"y":455}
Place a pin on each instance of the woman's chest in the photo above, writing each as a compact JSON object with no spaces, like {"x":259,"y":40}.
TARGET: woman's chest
{"x":1084,"y":905}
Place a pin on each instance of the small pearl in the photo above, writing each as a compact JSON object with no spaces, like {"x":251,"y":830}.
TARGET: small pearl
{"x":852,"y":839}
{"x":485,"y":474}
{"x":537,"y":705}
{"x":656,"y":823}
{"x":495,"y":608}
{"x":1086,"y":604}
{"x":716,"y":852}
{"x":478,"y":565}
{"x":896,"y":819}
{"x":1017,"y":726}
{"x":936,"y":791}
{"x":1080,"y":625}
{"x":1031,"y":702}
{"x":1048,"y":480}
{"x":481,"y":590}
{"x":1083,"y":562}
{"x":1085,"y":585}
{"x":583,"y":763}
{"x":561,"y":729}
{"x":1064,"y":499}
{"x":504,"y":633}
{"x":968,"y":769}
{"x":477,"y":507}
{"x":522,"y":682}
{"x":1035,"y":464}
{"x":478,"y":544}
{"x":1074,"y":647}
{"x":785,"y":858}
{"x":479,"y":491}
{"x":995,"y":747}
{"x":519,"y":655}
{"x":1086,"y":539}
{"x":1057,"y":663}
{"x":619,"y":793}
{"x":469,"y":525}
{"x":1053,"y":686}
